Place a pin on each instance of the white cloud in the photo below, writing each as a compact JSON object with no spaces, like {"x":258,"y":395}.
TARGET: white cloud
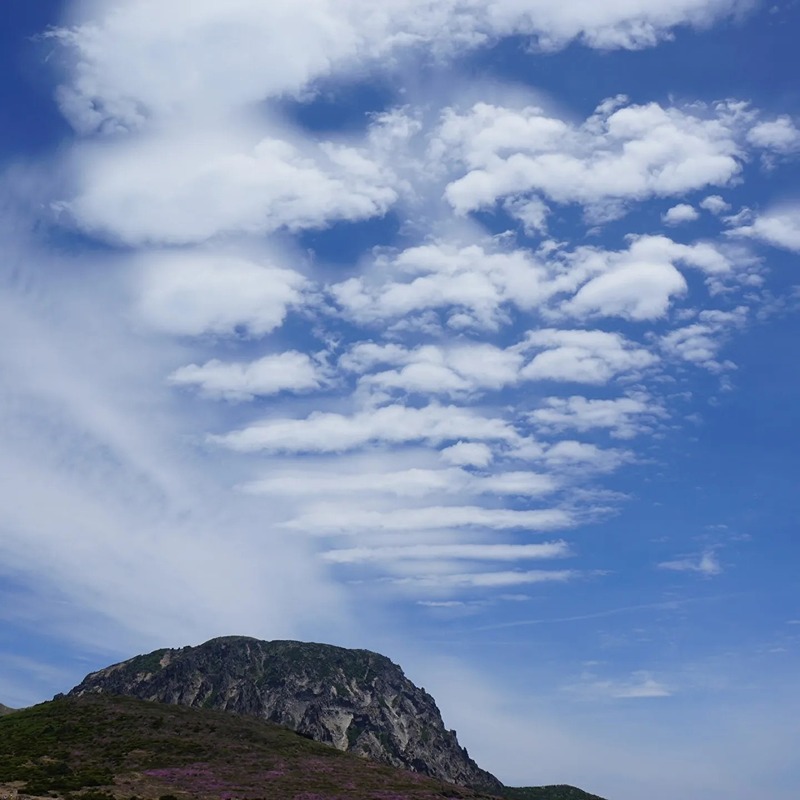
{"x":473,"y":281}
{"x":471,"y":552}
{"x":455,"y":369}
{"x":339,"y":519}
{"x":579,"y":356}
{"x":290,"y":371}
{"x":640,"y":685}
{"x":414,"y":482}
{"x":779,"y":227}
{"x":700,"y":342}
{"x":467,"y":454}
{"x":683,"y":212}
{"x":623,"y":417}
{"x":779,"y":135}
{"x":623,"y":152}
{"x":487,"y":580}
{"x":188,"y":185}
{"x":706,"y":564}
{"x":570,"y":454}
{"x":190,"y":293}
{"x":639,"y":283}
{"x":327,"y":432}
{"x":715,"y":204}
{"x":282,"y":47}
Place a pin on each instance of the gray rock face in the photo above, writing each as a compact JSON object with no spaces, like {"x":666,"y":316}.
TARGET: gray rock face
{"x":6,"y":710}
{"x":355,"y":700}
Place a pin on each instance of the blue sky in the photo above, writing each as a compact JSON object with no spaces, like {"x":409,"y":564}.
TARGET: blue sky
{"x":462,"y":331}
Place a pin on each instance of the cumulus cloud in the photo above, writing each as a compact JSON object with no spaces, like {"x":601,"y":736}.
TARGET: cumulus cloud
{"x":190,"y":293}
{"x":187,"y":185}
{"x":779,"y":135}
{"x":580,"y":356}
{"x":683,"y":212}
{"x":700,"y":342}
{"x":452,"y":370}
{"x":779,"y":227}
{"x":715,"y":204}
{"x":472,"y":282}
{"x":290,"y":371}
{"x":638,"y":283}
{"x":623,"y":417}
{"x":623,"y":152}
{"x":468,"y":454}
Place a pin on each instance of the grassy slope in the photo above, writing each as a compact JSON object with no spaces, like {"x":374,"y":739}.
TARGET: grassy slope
{"x":101,"y":747}
{"x":548,"y":793}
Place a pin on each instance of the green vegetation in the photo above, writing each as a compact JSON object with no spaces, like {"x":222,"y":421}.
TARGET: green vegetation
{"x":103,"y":747}
{"x":561,"y":792}
{"x":106,"y":747}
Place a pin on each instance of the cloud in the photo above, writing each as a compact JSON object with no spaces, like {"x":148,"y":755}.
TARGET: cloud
{"x":570,"y":454}
{"x":715,"y":204}
{"x":414,"y":482}
{"x":328,"y":432}
{"x":640,"y":685}
{"x":779,"y":227}
{"x":283,"y":48}
{"x":623,"y":417}
{"x":640,"y":282}
{"x":700,"y":342}
{"x":707,"y":564}
{"x":779,"y":135}
{"x":190,"y":293}
{"x":580,"y":356}
{"x":470,"y":552}
{"x":679,"y":214}
{"x":467,"y":454}
{"x":487,"y":580}
{"x":623,"y":152}
{"x":187,"y":185}
{"x":112,"y":519}
{"x":347,"y":520}
{"x":290,"y":371}
{"x":455,"y":369}
{"x":470,"y":282}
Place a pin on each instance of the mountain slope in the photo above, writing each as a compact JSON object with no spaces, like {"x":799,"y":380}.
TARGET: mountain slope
{"x":355,"y":700}
{"x":6,"y":710}
{"x":104,"y":747}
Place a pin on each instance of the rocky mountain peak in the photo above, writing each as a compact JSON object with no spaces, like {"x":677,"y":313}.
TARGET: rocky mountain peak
{"x":354,"y":700}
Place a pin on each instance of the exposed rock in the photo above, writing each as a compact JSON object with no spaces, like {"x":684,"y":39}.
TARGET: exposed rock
{"x":355,"y":700}
{"x":6,"y":710}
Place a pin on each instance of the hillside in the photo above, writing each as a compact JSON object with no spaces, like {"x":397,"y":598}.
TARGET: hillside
{"x":355,"y":700}
{"x":104,"y":747}
{"x":6,"y":710}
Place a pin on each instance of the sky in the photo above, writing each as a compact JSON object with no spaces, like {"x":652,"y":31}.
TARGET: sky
{"x":461,"y":331}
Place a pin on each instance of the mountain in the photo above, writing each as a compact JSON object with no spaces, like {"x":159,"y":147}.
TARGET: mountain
{"x":6,"y":710}
{"x":355,"y":700}
{"x":560,"y":792}
{"x":105,"y":747}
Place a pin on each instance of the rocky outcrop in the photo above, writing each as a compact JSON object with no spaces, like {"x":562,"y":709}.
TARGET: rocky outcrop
{"x":6,"y":710}
{"x":355,"y":700}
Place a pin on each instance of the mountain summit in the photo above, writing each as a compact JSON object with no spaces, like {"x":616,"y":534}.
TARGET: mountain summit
{"x":355,"y":700}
